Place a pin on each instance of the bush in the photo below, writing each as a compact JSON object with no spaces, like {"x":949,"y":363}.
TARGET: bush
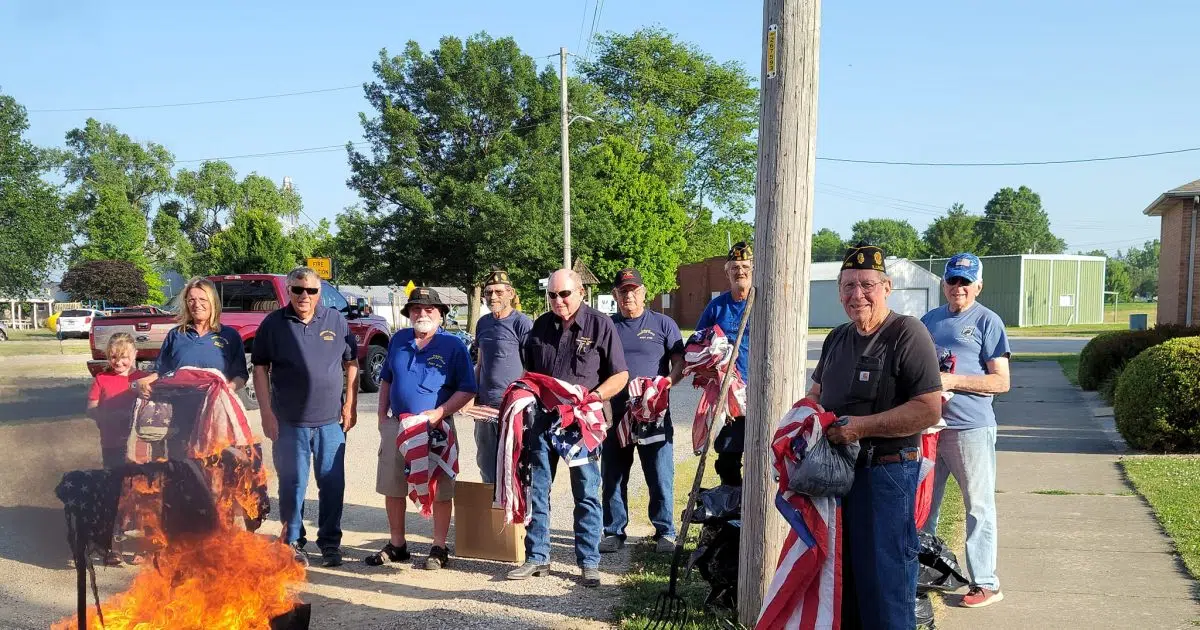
{"x":1103,"y":358}
{"x":1157,"y":404}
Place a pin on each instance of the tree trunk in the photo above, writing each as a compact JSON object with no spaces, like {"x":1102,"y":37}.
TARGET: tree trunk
{"x":782,"y":235}
{"x":473,"y":308}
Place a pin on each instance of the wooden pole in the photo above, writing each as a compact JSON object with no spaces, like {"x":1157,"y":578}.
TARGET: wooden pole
{"x":564,"y":111}
{"x":782,"y":238}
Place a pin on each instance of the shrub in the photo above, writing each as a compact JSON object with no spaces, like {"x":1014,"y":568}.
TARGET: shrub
{"x":1105,"y":355}
{"x":1157,"y":403}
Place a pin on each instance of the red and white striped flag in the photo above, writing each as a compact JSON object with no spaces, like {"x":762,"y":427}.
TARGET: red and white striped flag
{"x":705,"y":357}
{"x":423,"y":458}
{"x":649,"y":399}
{"x":806,"y":592}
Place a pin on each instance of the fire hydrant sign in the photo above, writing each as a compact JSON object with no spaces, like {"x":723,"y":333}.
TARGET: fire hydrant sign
{"x":323,"y":267}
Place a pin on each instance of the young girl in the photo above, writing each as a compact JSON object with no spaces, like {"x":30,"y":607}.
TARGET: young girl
{"x":110,"y":404}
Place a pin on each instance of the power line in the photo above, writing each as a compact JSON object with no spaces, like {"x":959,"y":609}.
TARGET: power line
{"x":1108,"y":158}
{"x":195,"y":103}
{"x":582,"y":22}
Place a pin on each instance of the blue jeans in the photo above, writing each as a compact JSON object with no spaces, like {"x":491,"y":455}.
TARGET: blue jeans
{"x":879,"y":562}
{"x":325,"y":446}
{"x":487,"y":439}
{"x":585,"y":487}
{"x":658,"y":464}
{"x":970,"y":455}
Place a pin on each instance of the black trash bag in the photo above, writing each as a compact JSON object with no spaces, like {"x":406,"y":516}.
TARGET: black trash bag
{"x":939,"y":566}
{"x":719,"y":504}
{"x":825,"y":470}
{"x":924,"y":612}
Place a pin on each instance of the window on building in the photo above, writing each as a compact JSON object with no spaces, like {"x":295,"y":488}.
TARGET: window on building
{"x":666,"y":300}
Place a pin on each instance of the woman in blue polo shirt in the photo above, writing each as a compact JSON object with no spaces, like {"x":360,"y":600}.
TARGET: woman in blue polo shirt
{"x":200,"y":340}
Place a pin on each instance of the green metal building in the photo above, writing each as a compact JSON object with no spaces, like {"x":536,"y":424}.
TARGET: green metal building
{"x":1039,"y":289}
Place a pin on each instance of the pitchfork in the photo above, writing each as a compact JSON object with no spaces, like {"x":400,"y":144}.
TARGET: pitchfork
{"x":670,"y":609}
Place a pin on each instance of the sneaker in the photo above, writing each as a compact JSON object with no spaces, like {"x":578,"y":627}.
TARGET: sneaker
{"x":438,"y":558}
{"x":298,"y":552}
{"x":331,"y":557}
{"x":666,"y":544}
{"x":528,"y":570}
{"x":611,"y":544}
{"x":978,"y":597}
{"x":591,"y":577}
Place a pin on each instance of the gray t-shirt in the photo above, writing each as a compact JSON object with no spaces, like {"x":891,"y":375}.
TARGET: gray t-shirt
{"x":500,"y":342}
{"x":913,"y":370}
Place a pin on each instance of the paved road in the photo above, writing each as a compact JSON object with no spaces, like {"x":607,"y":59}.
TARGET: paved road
{"x":1020,"y":345}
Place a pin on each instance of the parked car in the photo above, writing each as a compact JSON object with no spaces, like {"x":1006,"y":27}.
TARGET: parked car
{"x":77,"y":322}
{"x":245,"y":300}
{"x":3,"y":332}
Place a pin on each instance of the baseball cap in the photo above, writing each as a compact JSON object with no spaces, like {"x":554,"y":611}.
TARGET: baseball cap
{"x":966,"y":266}
{"x":628,"y":276}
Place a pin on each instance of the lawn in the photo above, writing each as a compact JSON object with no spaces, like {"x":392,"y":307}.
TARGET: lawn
{"x":30,"y":342}
{"x":649,"y":572}
{"x":1171,"y":484}
{"x":1068,"y":362}
{"x":1113,"y":320}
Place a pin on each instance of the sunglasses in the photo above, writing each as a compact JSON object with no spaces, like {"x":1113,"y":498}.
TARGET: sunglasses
{"x":564,"y":294}
{"x":308,"y":290}
{"x":958,"y":281}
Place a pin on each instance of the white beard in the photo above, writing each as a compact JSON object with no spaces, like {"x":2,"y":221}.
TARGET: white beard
{"x":424,"y":326}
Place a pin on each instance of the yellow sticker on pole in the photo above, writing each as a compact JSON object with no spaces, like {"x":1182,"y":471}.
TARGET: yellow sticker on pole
{"x":323,"y":267}
{"x":408,"y":288}
{"x":772,"y":37}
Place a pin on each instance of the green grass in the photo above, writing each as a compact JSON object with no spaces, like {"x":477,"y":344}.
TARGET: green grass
{"x":27,"y":343}
{"x":1171,"y":484}
{"x":1117,"y":321}
{"x":1068,"y":362}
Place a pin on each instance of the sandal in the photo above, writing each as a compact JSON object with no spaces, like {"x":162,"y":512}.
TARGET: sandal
{"x":112,"y":559}
{"x":389,"y":553}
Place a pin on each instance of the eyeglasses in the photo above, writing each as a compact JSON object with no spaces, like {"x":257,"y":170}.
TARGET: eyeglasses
{"x":867,"y":287}
{"x":491,"y":292}
{"x":746,"y":268}
{"x":197,"y":300}
{"x":958,"y":281}
{"x":308,"y":290}
{"x":564,"y":294}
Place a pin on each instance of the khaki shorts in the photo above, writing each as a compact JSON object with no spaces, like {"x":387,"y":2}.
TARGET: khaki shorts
{"x":389,"y":474}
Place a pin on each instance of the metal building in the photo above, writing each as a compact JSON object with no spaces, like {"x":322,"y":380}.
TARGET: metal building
{"x":915,"y":291}
{"x":1039,"y":289}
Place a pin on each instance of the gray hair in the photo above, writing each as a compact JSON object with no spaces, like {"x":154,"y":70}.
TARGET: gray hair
{"x":302,"y":273}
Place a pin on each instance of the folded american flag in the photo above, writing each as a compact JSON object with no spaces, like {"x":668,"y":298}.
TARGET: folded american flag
{"x":649,"y":399}
{"x":806,"y":592}
{"x":425,"y":450}
{"x":577,"y":434}
{"x":220,"y":419}
{"x":705,"y":357}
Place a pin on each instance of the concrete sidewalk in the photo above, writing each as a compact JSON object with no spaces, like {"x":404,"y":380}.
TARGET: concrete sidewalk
{"x":1078,"y":549}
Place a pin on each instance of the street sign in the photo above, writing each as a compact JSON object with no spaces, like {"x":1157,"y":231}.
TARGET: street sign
{"x":323,"y":267}
{"x":408,"y":288}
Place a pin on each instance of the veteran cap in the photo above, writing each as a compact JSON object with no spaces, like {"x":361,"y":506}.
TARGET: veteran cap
{"x":497,"y":276}
{"x":628,"y":277}
{"x":425,"y":295}
{"x":864,"y":256}
{"x":740,"y":251}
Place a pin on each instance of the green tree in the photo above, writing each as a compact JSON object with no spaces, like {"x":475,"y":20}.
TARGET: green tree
{"x":827,"y":246}
{"x":954,"y":233}
{"x":206,"y":199}
{"x":897,"y":238}
{"x":306,"y":241}
{"x":1116,"y":278}
{"x":1015,"y":223}
{"x":253,"y":243}
{"x":34,"y":222}
{"x":458,"y":176}
{"x":707,"y":238}
{"x":114,"y":282}
{"x":1143,"y":268}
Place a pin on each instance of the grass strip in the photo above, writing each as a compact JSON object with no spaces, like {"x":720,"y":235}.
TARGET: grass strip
{"x":1171,"y":484}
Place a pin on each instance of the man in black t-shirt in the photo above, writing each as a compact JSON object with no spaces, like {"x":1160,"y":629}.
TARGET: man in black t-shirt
{"x":880,"y":373}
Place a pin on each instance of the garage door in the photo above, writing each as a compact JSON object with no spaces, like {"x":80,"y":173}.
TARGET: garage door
{"x":913,"y":302}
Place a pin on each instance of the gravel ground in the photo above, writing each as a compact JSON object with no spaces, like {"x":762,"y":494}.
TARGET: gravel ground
{"x":37,"y":582}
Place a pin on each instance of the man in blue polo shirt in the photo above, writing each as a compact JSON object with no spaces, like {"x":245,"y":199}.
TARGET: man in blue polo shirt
{"x":308,"y":352}
{"x":967,"y":446}
{"x":427,"y":372}
{"x":653,"y":347}
{"x":725,"y":311}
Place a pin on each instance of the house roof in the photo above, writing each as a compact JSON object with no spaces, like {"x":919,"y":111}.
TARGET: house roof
{"x":585,"y":273}
{"x":378,"y":295}
{"x":1189,"y":189}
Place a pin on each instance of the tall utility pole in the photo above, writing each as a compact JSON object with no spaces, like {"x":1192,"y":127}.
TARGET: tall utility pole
{"x":782,"y":237}
{"x":566,"y":159}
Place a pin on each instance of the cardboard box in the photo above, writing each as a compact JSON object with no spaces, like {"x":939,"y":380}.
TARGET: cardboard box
{"x":479,"y":530}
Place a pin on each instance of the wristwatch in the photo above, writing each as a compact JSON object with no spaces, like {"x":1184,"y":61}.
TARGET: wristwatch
{"x":133,"y":385}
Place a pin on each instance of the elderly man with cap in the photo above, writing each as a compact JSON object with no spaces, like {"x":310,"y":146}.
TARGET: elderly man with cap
{"x":880,"y":374}
{"x":725,"y":311}
{"x":975,"y":337}
{"x":500,"y":335}
{"x":427,"y":372}
{"x":576,"y":344}
{"x":653,"y":348}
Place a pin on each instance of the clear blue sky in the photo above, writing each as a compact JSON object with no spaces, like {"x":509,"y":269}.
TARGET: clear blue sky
{"x":925,"y":81}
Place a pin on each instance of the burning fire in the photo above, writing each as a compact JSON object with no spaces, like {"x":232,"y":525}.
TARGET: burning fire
{"x":231,"y":579}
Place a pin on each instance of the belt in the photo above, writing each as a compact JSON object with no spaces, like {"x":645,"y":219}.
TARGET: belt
{"x":896,"y":458}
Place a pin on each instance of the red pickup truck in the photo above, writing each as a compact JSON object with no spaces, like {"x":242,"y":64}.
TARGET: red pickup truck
{"x":245,"y":301}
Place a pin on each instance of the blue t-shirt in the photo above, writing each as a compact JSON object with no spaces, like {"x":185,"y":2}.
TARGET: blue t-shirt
{"x":726,"y":312}
{"x":422,"y":379}
{"x":975,"y":336}
{"x":500,"y":342}
{"x":220,"y":350}
{"x":648,"y":342}
{"x":306,"y":362}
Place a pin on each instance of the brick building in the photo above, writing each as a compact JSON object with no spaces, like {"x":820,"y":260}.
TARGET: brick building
{"x":698,"y":283}
{"x":1178,"y":260}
